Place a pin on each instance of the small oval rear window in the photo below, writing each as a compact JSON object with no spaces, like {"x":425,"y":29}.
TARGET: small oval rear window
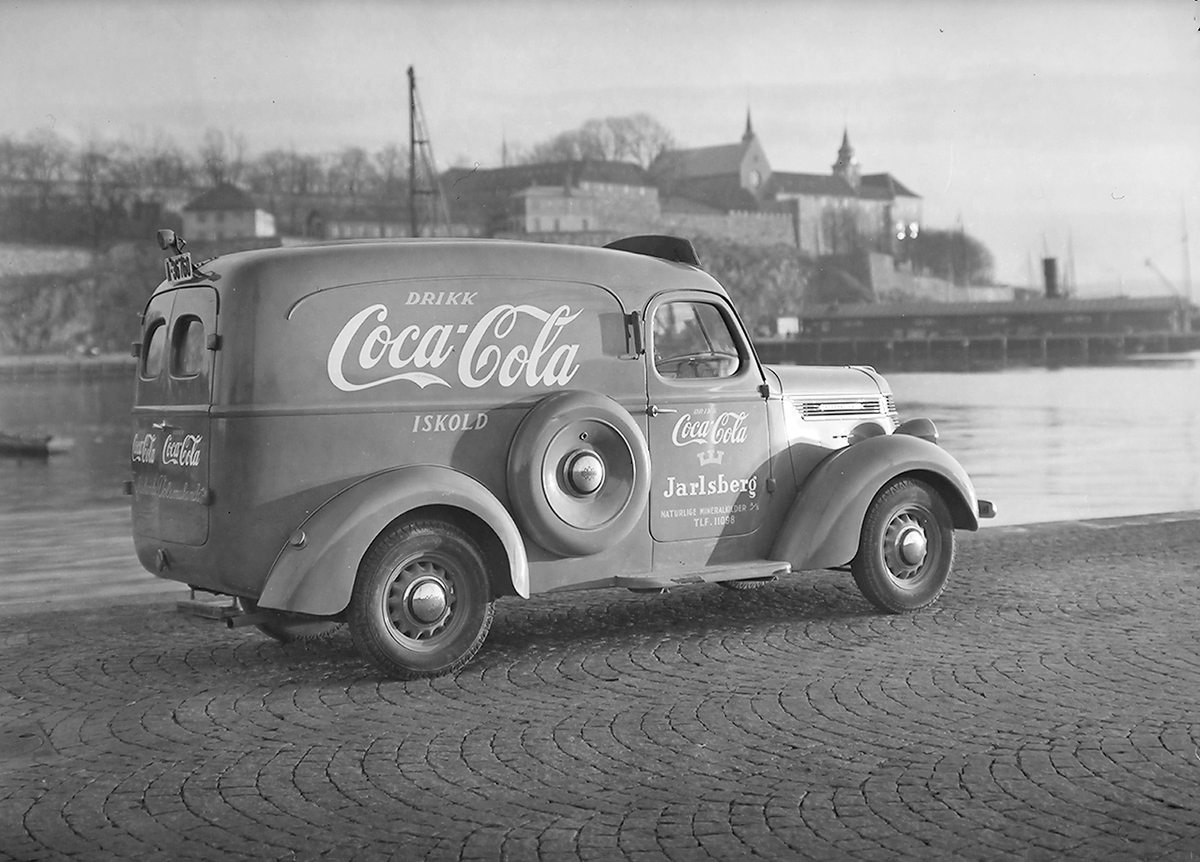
{"x":152,"y":354}
{"x":187,"y":350}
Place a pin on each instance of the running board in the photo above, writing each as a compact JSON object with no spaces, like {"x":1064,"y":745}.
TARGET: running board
{"x":706,"y":575}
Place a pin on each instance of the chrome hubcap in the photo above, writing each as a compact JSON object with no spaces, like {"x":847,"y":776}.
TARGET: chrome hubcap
{"x":905,"y":546}
{"x":913,"y":546}
{"x":421,"y":599}
{"x":427,"y":600}
{"x":585,"y":473}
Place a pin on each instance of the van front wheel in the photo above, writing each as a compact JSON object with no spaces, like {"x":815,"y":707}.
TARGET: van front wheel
{"x":906,"y":548}
{"x":422,"y":603}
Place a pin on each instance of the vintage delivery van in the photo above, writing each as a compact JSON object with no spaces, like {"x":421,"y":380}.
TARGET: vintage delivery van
{"x":395,"y":434}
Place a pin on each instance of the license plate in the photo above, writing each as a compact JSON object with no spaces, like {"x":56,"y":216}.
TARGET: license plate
{"x":179,"y":267}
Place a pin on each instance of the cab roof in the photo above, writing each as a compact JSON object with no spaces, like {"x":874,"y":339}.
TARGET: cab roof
{"x":289,"y":274}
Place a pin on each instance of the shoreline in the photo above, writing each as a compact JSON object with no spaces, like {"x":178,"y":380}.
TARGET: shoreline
{"x":83,"y":557}
{"x":16,"y":367}
{"x":61,"y":365}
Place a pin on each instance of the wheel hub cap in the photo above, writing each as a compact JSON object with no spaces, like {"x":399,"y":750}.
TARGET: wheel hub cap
{"x":585,"y":473}
{"x":912,"y":546}
{"x":427,"y":600}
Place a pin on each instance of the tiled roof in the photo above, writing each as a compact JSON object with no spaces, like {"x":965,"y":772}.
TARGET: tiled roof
{"x":517,"y":177}
{"x":700,"y":162}
{"x":888,"y":185}
{"x":224,"y":197}
{"x":873,"y":186}
{"x":723,"y":192}
{"x":782,"y":182}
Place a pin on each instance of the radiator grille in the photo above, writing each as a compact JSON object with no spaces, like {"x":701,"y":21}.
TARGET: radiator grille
{"x":838,"y":408}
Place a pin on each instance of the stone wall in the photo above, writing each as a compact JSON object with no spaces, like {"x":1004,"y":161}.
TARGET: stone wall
{"x":746,"y":228}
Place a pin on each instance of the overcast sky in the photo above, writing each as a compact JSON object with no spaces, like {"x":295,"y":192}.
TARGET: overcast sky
{"x":1037,"y":124}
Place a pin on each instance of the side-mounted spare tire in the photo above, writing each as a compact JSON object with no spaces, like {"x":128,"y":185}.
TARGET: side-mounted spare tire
{"x":578,"y":473}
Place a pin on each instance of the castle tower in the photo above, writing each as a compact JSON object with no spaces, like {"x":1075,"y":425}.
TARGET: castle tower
{"x":846,"y":165}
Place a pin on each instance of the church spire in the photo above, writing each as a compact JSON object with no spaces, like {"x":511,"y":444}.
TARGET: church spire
{"x":846,"y":165}
{"x":749,"y":133}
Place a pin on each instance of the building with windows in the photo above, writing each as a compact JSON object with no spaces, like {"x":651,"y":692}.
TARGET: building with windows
{"x":842,"y":212}
{"x":571,"y":197}
{"x":226,"y":213}
{"x":729,"y":191}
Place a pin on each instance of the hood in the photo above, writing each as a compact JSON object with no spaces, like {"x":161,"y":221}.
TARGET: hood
{"x":817,"y":381}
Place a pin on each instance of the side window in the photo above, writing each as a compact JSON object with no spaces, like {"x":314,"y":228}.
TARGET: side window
{"x":153,"y":349}
{"x":187,"y":347}
{"x":692,"y":339}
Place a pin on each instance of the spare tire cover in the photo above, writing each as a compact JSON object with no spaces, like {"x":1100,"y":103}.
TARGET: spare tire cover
{"x":578,"y":473}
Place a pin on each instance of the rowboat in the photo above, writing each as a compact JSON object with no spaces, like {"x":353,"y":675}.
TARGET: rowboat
{"x":32,"y":445}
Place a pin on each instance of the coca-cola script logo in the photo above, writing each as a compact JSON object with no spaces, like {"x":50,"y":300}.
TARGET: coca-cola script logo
{"x":710,"y":430}
{"x":487,"y":350}
{"x":182,"y":451}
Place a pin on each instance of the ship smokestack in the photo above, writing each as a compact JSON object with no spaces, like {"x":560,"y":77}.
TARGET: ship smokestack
{"x":1050,"y":274}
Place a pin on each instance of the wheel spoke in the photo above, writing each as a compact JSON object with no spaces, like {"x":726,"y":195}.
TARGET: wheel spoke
{"x":422,"y":604}
{"x":404,"y":619}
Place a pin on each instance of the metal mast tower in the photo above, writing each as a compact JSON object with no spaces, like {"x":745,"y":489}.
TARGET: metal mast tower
{"x":423,"y":182}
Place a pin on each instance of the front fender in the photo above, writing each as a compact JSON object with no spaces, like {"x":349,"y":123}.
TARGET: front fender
{"x":822,"y":529}
{"x":318,"y":577}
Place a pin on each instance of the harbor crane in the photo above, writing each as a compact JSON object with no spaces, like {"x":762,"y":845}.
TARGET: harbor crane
{"x":1163,"y":278}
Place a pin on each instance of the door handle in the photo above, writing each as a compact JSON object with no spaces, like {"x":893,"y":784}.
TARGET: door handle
{"x":164,"y":426}
{"x":654,"y":410}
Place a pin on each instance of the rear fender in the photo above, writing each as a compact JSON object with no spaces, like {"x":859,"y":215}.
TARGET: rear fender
{"x":318,"y":576}
{"x":823,"y":527}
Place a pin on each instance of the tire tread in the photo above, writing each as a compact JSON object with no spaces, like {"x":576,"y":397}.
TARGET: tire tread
{"x":369,"y":642}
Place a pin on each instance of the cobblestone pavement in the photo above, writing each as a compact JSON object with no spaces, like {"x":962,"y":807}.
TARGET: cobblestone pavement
{"x":1046,"y":708}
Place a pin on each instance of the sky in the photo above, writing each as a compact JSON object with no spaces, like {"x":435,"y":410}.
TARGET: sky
{"x":1069,"y":129}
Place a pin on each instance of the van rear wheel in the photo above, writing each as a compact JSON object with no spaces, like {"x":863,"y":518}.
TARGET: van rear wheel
{"x":906,"y":548}
{"x":422,"y":603}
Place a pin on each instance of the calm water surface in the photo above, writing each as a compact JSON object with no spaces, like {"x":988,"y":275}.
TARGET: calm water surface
{"x":1042,"y":444}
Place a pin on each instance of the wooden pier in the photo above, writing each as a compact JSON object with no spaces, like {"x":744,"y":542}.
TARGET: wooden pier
{"x":968,"y":335}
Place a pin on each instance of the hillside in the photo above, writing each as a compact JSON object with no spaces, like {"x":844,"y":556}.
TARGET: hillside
{"x":65,"y":300}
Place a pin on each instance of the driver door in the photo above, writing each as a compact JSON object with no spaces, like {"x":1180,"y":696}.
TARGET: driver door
{"x":709,"y":442}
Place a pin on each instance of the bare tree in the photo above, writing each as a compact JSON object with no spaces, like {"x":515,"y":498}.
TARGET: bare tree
{"x":43,"y":159}
{"x":391,"y":164}
{"x":636,"y":138}
{"x":639,"y":138}
{"x":352,"y":173}
{"x":223,"y":155}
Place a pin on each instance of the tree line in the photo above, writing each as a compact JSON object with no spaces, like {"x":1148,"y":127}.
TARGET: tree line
{"x":155,"y":163}
{"x":118,"y":185}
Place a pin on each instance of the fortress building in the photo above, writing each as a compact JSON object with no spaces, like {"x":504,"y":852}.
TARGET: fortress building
{"x":728,"y":191}
{"x":837,"y":213}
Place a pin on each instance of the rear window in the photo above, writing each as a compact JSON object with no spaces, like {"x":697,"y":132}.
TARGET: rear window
{"x":152,"y":354}
{"x":187,"y":348}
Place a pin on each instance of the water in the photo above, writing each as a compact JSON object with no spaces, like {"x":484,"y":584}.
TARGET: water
{"x":1048,"y":445}
{"x":1042,"y":444}
{"x":95,"y":414}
